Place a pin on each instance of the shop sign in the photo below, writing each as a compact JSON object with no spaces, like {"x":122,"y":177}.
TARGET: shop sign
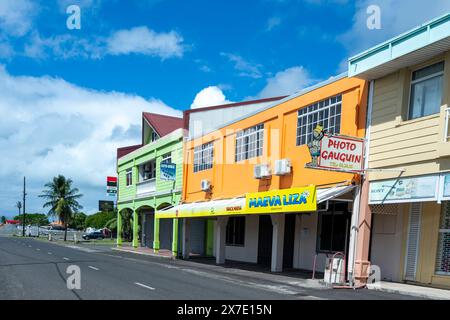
{"x":336,"y":152}
{"x":111,"y":186}
{"x":404,"y":190}
{"x":287,"y":200}
{"x":446,"y":188}
{"x":168,"y":171}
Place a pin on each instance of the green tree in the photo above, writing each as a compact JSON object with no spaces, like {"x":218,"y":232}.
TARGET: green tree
{"x":3,"y":219}
{"x":39,"y":219}
{"x":78,"y":221}
{"x":62,"y":200}
{"x":99,"y":220}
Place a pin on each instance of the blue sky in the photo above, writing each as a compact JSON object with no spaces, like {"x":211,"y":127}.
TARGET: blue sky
{"x":71,"y":97}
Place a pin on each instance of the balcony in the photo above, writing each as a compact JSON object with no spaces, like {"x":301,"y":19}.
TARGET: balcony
{"x":146,"y":187}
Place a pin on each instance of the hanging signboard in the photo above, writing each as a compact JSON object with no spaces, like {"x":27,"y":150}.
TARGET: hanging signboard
{"x":111,"y":186}
{"x":336,"y":152}
{"x":168,"y":171}
{"x":284,"y":200}
{"x":422,"y":188}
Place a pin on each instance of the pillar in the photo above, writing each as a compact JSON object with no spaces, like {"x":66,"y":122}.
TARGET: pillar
{"x":277,"y":242}
{"x":119,"y":228}
{"x":156,"y":235}
{"x":186,"y":238}
{"x":353,"y":234}
{"x":175,"y":238}
{"x":135,"y":229}
{"x":221,"y":229}
{"x":362,"y":262}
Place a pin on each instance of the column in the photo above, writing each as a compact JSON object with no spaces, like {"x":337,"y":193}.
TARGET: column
{"x":186,"y":238}
{"x":135,"y":229}
{"x":175,"y":238}
{"x":119,"y":228}
{"x":362,"y":262}
{"x":156,"y":235}
{"x":221,"y":229}
{"x":353,"y":234}
{"x":277,"y":242}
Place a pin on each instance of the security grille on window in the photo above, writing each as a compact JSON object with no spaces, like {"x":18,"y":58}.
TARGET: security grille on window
{"x":327,"y":113}
{"x":149,"y":170}
{"x":235,"y":231}
{"x":334,"y":228}
{"x":129,"y":177}
{"x":249,"y":143}
{"x":167,"y":158}
{"x":443,"y":253}
{"x":426,"y":91}
{"x":203,"y":157}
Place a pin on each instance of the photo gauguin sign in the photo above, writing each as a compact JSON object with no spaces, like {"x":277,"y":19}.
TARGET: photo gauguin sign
{"x":336,"y":152}
{"x":287,"y":200}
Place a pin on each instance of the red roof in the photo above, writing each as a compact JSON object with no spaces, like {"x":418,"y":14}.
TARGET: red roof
{"x":126,"y":150}
{"x":163,"y":124}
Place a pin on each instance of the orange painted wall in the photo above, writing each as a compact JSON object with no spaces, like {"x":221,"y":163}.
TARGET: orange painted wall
{"x":231,"y":179}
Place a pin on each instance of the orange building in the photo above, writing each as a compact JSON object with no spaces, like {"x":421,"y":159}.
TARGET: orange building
{"x":261,"y":157}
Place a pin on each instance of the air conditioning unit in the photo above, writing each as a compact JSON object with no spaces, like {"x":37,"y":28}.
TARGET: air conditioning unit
{"x":261,"y":171}
{"x":206,"y":185}
{"x":282,"y":167}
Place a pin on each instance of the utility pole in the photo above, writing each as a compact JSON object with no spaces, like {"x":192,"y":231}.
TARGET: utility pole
{"x":24,"y":196}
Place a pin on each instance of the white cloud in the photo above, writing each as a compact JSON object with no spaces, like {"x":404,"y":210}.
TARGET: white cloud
{"x":139,"y":40}
{"x":142,"y":40}
{"x":272,"y":23}
{"x":245,"y":68}
{"x":396,"y":18}
{"x":16,"y":16}
{"x":286,"y":82}
{"x":210,"y":96}
{"x":49,"y":127}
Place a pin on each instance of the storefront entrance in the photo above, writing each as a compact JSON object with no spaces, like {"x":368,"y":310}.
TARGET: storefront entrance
{"x":148,"y":222}
{"x":288,"y":245}
{"x":265,"y":240}
{"x":165,"y":234}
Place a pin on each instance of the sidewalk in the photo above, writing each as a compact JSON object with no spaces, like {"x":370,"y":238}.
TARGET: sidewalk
{"x":412,"y":290}
{"x":144,"y":251}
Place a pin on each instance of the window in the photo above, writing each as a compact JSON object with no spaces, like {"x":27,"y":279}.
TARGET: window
{"x":327,"y":113}
{"x":249,"y":143}
{"x":426,"y":91}
{"x":148,"y":170}
{"x":129,"y":177}
{"x":154,"y":136}
{"x":235,"y":231}
{"x":443,"y":252}
{"x":167,"y":158}
{"x":334,"y":228}
{"x":203,"y":157}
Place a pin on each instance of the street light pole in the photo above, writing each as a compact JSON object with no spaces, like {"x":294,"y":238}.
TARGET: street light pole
{"x":23,"y":207}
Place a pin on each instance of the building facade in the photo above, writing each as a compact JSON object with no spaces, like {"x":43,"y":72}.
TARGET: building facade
{"x":407,"y":191}
{"x":150,"y":178}
{"x":232,"y":168}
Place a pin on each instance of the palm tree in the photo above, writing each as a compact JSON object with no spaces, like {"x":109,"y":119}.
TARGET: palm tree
{"x":62,"y":200}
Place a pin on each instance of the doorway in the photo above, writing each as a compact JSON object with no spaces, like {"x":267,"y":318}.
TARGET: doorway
{"x":265,"y":240}
{"x":288,"y":244}
{"x":165,"y":234}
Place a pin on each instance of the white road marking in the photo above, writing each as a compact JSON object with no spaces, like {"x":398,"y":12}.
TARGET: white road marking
{"x":144,"y":286}
{"x":82,"y":249}
{"x":67,"y":259}
{"x":94,"y":268}
{"x":49,"y":252}
{"x":38,"y":249}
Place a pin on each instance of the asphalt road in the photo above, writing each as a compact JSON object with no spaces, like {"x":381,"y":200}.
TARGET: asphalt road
{"x":36,"y":269}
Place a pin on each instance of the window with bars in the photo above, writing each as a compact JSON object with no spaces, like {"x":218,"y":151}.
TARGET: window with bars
{"x":249,"y":143}
{"x":203,"y":157}
{"x":167,"y":158}
{"x":443,"y":252}
{"x":327,"y":113}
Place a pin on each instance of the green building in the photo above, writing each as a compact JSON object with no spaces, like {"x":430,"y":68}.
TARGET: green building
{"x":149,"y":179}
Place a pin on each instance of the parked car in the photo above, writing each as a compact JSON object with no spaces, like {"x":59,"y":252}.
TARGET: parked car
{"x":93,"y":235}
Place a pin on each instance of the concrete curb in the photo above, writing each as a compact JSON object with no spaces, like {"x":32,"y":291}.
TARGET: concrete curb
{"x":142,"y":253}
{"x":441,"y":295}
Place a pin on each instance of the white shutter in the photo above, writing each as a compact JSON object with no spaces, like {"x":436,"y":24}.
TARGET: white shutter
{"x":412,"y":245}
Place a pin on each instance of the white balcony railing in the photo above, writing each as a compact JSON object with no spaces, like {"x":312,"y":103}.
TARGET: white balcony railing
{"x":147,"y":186}
{"x":447,"y":125}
